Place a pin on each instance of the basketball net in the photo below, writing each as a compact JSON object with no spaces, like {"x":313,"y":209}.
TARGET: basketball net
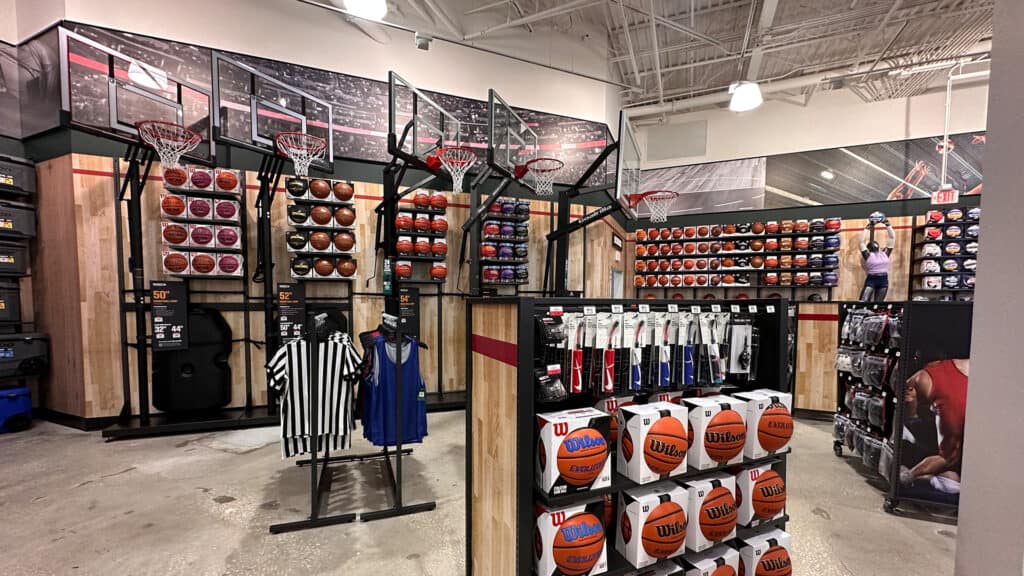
{"x":302,"y":149}
{"x":457,"y":160}
{"x":169,"y":140}
{"x":543,"y":172}
{"x":657,"y":201}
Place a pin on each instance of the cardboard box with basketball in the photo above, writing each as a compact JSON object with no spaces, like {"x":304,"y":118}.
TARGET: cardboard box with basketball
{"x":573,"y":451}
{"x":610,"y":406}
{"x":653,"y":441}
{"x":769,"y":422}
{"x":718,"y":430}
{"x":760,"y":495}
{"x":652,"y":523}
{"x":712,"y":510}
{"x":718,"y":561}
{"x":767,"y":554}
{"x":570,"y":540}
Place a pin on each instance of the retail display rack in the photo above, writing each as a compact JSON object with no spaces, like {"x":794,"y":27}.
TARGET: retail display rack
{"x":944,"y":254}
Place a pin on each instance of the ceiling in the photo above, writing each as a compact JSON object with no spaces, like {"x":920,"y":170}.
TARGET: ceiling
{"x":668,"y":50}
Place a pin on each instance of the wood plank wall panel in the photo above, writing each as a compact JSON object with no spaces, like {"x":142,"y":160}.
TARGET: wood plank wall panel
{"x":601,"y":257}
{"x":494,"y":404}
{"x":54,"y":268}
{"x":817,"y":342}
{"x":851,"y":262}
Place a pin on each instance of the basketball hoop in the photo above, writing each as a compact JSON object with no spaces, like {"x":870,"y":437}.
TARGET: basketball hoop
{"x":457,"y":160}
{"x":301,"y":148}
{"x":544,"y":171}
{"x":169,"y":140}
{"x":657,"y":201}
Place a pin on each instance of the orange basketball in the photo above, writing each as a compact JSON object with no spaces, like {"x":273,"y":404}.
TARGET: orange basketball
{"x":640,"y":250}
{"x":403,"y":270}
{"x":663,"y":280}
{"x":677,"y":233}
{"x":724,"y":570}
{"x":343,"y":191}
{"x":582,"y":456}
{"x":652,"y":280}
{"x":689,"y":231}
{"x":346,"y":267}
{"x":665,"y":233}
{"x":689,"y":248}
{"x":175,"y":233}
{"x":641,"y":235}
{"x":665,"y":445}
{"x":439,"y":248}
{"x":677,"y":280}
{"x":725,"y":436}
{"x":664,"y":530}
{"x":689,"y":264}
{"x":702,"y":231}
{"x":173,"y":205}
{"x":639,"y":266}
{"x":343,"y":241}
{"x":344,"y":216}
{"x":652,"y":265}
{"x":627,"y":446}
{"x":422,"y":223}
{"x":666,"y":249}
{"x":175,"y":262}
{"x":652,"y":250}
{"x":422,"y":199}
{"x":718,"y":514}
{"x":404,"y":246}
{"x":439,"y":225}
{"x":175,"y":176}
{"x":775,"y":562}
{"x":422,"y":246}
{"x":323,"y":266}
{"x":664,"y":265}
{"x":321,"y":215}
{"x":203,"y":263}
{"x":578,"y":544}
{"x":320,"y":188}
{"x":688,"y":280}
{"x":677,"y":248}
{"x":403,"y":222}
{"x":226,"y":180}
{"x":320,"y":240}
{"x":775,"y":427}
{"x":638,"y":281}
{"x":439,"y":200}
{"x":769,"y":496}
{"x":438,"y":271}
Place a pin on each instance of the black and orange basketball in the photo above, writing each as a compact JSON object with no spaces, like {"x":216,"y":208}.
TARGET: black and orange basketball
{"x":320,"y":240}
{"x":718,"y":514}
{"x":422,"y":199}
{"x":321,"y":215}
{"x":439,"y":224}
{"x":775,"y":427}
{"x":175,"y":176}
{"x":403,"y":221}
{"x":664,"y":530}
{"x":578,"y":544}
{"x":175,"y":262}
{"x":404,"y":246}
{"x":344,"y":216}
{"x":343,"y":191}
{"x":422,"y":246}
{"x":323,"y":266}
{"x":627,"y":446}
{"x":175,"y":233}
{"x":172,"y":205}
{"x":343,"y":241}
{"x":422,"y":223}
{"x":775,"y":562}
{"x":226,"y":180}
{"x":346,"y":267}
{"x":769,"y":496}
{"x":665,"y":445}
{"x":319,"y":188}
{"x":725,"y":436}
{"x":203,"y":263}
{"x":582,"y":456}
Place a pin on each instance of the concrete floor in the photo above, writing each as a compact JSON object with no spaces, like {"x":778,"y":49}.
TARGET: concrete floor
{"x":200,"y":505}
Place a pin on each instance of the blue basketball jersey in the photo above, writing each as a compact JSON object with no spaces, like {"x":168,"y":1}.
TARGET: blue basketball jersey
{"x":379,"y":422}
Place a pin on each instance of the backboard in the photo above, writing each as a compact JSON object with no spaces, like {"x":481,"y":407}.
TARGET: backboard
{"x":106,"y":92}
{"x":250,"y":108}
{"x":627,"y":173}
{"x":431,"y":126}
{"x":511,"y":142}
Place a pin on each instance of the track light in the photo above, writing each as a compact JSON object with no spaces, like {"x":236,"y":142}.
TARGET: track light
{"x":745,"y":96}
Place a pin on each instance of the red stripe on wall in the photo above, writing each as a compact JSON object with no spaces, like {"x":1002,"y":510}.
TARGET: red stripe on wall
{"x":504,"y":352}
{"x":819,"y":317}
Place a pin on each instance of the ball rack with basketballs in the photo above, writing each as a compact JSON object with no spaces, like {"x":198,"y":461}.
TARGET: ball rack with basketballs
{"x":944,"y":254}
{"x":764,"y":257}
{"x":422,"y":228}
{"x":504,"y":245}
{"x":608,"y":479}
{"x":321,"y":237}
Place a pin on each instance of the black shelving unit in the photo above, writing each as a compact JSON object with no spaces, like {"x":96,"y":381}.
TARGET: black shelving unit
{"x":915,"y":287}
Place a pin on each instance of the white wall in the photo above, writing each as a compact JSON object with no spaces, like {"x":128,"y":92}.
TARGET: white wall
{"x":35,"y":15}
{"x":832,"y":119}
{"x":8,"y":22}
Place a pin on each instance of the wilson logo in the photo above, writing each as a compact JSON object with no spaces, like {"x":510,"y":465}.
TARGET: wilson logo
{"x":768,"y":491}
{"x":780,"y":425}
{"x":725,"y":437}
{"x":580,"y":531}
{"x":611,"y":405}
{"x":674,"y":529}
{"x":660,"y":447}
{"x":755,"y":474}
{"x":557,"y":518}
{"x":716,"y":512}
{"x":560,"y":428}
{"x":773,"y":564}
{"x":583,"y":443}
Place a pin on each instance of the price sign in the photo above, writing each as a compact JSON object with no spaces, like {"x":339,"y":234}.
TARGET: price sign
{"x":673,"y":307}
{"x":771,"y":309}
{"x":616,"y":308}
{"x":409,"y":310}
{"x":555,"y":311}
{"x":695,"y":309}
{"x":170,"y":315}
{"x":291,"y":305}
{"x":589,"y":310}
{"x":716,"y":308}
{"x":645,"y":308}
{"x":753,"y":309}
{"x":735,"y":308}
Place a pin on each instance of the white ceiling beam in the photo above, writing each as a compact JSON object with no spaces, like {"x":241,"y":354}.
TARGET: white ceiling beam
{"x":671,"y":24}
{"x":689,"y":15}
{"x":657,"y":56}
{"x":763,"y":25}
{"x":566,"y":8}
{"x":446,"y":21}
{"x":629,"y":45}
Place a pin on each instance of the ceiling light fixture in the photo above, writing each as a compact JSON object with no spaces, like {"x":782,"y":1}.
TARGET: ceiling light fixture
{"x":828,"y":175}
{"x":368,"y":9}
{"x":745,"y":96}
{"x":147,"y":76}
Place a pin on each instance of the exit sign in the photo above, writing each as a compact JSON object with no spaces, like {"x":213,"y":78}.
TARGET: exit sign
{"x":946,"y":196}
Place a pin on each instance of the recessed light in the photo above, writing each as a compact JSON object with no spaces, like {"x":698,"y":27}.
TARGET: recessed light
{"x":827,"y":175}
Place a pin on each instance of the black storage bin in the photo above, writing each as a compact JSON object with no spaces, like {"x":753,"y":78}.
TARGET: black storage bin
{"x":17,"y":220}
{"x":23,"y":354}
{"x":13,"y":259}
{"x":17,"y":176}
{"x":10,"y":304}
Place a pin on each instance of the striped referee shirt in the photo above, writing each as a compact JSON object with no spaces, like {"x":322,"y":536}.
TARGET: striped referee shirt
{"x":288,"y":373}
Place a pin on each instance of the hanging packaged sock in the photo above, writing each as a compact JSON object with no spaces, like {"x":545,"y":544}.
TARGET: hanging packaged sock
{"x":739,"y":349}
{"x":606,"y":328}
{"x":646,"y":351}
{"x":621,"y":359}
{"x":636,"y":354}
{"x":589,"y":338}
{"x":665,"y":350}
{"x":707,"y":350}
{"x":573,"y":366}
{"x":680,"y":325}
{"x":686,"y":338}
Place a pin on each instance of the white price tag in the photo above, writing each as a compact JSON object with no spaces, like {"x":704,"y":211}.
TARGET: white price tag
{"x":695,"y":309}
{"x":645,"y":308}
{"x":716,"y":308}
{"x":555,"y":311}
{"x":753,"y":308}
{"x":589,"y":310}
{"x":735,"y":308}
{"x":616,"y":308}
{"x":673,"y":307}
{"x":771,"y":309}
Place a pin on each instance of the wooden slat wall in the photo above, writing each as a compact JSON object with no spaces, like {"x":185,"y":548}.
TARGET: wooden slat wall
{"x":817,"y":342}
{"x":851,"y":262}
{"x":494,"y":404}
{"x":601,"y":258}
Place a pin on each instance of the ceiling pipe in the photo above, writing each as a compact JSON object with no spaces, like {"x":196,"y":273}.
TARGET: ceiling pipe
{"x":443,"y":17}
{"x":535,"y":17}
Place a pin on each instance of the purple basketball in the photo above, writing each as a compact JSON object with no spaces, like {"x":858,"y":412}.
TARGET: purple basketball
{"x":508,"y":273}
{"x":508,"y":230}
{"x":508,"y":207}
{"x":505,"y":251}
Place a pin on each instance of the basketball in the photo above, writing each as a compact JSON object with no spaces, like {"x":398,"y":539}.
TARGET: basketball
{"x":172,"y":205}
{"x":677,"y":280}
{"x":321,"y":215}
{"x":175,"y":262}
{"x":319,"y":188}
{"x":775,"y":562}
{"x":652,"y":250}
{"x":403,"y":222}
{"x":439,"y":224}
{"x":702,"y":280}
{"x":439,"y":200}
{"x":578,"y":544}
{"x":702,"y":231}
{"x":295,"y":186}
{"x":227,"y":236}
{"x":226,"y":210}
{"x":493,"y":229}
{"x":638,"y":281}
{"x":439,"y":271}
{"x":344,"y":216}
{"x":665,"y":233}
{"x":640,"y":250}
{"x":403,"y":270}
{"x":690,"y":248}
{"x":756,"y":262}
{"x":627,"y":446}
{"x":439,"y":248}
{"x":320,"y":240}
{"x":641,"y":235}
{"x":702,"y":264}
{"x":343,"y":241}
{"x":199,"y":207}
{"x":175,"y":233}
{"x":769,"y":496}
{"x":676,"y":264}
{"x":422,"y":223}
{"x":663,"y":280}
{"x":582,"y":456}
{"x":323,"y":266}
{"x":652,"y":265}
{"x":639,"y":266}
{"x":298,"y":214}
{"x":718,"y":514}
{"x":724,"y":570}
{"x":346,"y":267}
{"x":775,"y":427}
{"x":422,"y":246}
{"x":757,"y":228}
{"x":203,"y":263}
{"x":665,"y":445}
{"x":227,"y":180}
{"x":665,"y":249}
{"x":652,"y":281}
{"x":756,"y":246}
{"x":716,"y":231}
{"x":688,"y":280}
{"x":689,"y":264}
{"x":297,"y":240}
{"x":201,"y":179}
{"x":300,"y":267}
{"x":664,"y":530}
{"x":227,"y":264}
{"x":421,"y":199}
{"x":201,"y":235}
{"x":689,"y":231}
{"x":404,"y":246}
{"x":343,"y":191}
{"x":175,"y":177}
{"x":677,"y":248}
{"x":677,"y":233}
{"x":725,"y":435}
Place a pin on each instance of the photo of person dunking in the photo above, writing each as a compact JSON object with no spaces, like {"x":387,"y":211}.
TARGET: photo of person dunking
{"x":876,"y":259}
{"x":935,"y":405}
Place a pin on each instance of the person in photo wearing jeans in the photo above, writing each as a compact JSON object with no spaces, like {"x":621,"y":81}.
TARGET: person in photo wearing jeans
{"x":876,"y":259}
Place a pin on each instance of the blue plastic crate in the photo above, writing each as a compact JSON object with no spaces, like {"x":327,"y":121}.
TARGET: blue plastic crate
{"x":15,"y":409}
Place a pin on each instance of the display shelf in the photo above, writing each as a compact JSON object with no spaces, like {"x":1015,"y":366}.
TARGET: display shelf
{"x":944,"y":257}
{"x":943,"y":289}
{"x":424,"y":234}
{"x":777,"y":523}
{"x":206,"y":276}
{"x":206,"y":221}
{"x":325,"y":253}
{"x":943,"y":273}
{"x":511,"y":217}
{"x":421,"y":258}
{"x":505,"y":282}
{"x":217,"y":194}
{"x":775,"y":270}
{"x":500,"y":238}
{"x":736,"y":286}
{"x":720,"y":255}
{"x":422,"y":209}
{"x":216,"y":249}
{"x":503,"y":261}
{"x":725,"y":237}
{"x":425,"y":281}
{"x":319,"y":228}
{"x":961,"y":223}
{"x":326,"y":278}
{"x":324,"y":202}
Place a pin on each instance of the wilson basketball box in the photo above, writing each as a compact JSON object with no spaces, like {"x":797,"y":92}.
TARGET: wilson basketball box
{"x":652,"y":441}
{"x":769,"y":424}
{"x":570,"y":540}
{"x":760,"y":495}
{"x":572,"y":451}
{"x":712,"y":511}
{"x":610,"y":406}
{"x":766,"y":553}
{"x":719,"y":431}
{"x":718,"y":561}
{"x":652,"y":523}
